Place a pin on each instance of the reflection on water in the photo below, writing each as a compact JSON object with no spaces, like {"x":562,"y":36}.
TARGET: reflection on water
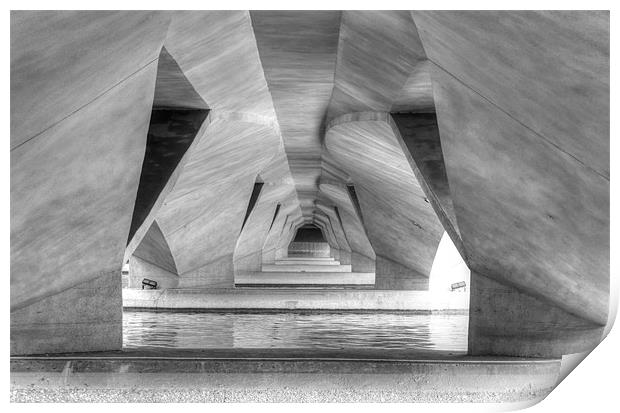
{"x":294,"y":330}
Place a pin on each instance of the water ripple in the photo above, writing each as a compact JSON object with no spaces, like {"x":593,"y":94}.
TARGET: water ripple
{"x":294,"y":330}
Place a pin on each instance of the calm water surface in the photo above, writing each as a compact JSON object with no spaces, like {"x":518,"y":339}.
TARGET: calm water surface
{"x":294,"y":330}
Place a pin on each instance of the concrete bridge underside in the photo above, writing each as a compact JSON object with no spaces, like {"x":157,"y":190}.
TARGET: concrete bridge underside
{"x":194,"y":145}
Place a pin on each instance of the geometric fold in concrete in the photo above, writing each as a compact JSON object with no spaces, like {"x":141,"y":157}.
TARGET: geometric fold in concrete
{"x":525,"y":142}
{"x":401,"y":225}
{"x":86,"y":317}
{"x":71,"y":211}
{"x":153,"y":260}
{"x":530,"y":216}
{"x":549,"y":70}
{"x":420,"y":134}
{"x":172,"y":89}
{"x":178,"y":113}
{"x":258,"y":186}
{"x":171,"y":133}
{"x":504,"y":321}
{"x":154,"y":249}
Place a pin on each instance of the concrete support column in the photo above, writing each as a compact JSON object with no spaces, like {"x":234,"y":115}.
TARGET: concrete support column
{"x":361,"y":263}
{"x":390,"y":275}
{"x":344,"y":257}
{"x":216,"y":274}
{"x":505,"y":321}
{"x":140,"y":269}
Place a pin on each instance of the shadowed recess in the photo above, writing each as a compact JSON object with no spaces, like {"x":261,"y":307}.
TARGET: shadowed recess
{"x":258,"y":186}
{"x":177,"y":114}
{"x":172,"y":89}
{"x":420,"y":135}
{"x":171,"y":132}
{"x":275,"y":215}
{"x":355,"y":201}
{"x":309,"y":234}
{"x":154,"y":249}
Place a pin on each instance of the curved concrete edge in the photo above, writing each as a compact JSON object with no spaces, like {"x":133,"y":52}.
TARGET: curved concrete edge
{"x":295,"y":299}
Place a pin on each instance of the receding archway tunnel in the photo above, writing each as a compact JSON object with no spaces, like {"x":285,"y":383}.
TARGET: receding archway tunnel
{"x":309,"y":241}
{"x":371,"y":142}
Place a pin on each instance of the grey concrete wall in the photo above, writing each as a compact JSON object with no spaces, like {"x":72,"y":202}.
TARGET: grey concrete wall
{"x":401,"y":226}
{"x":310,"y":249}
{"x":308,"y":277}
{"x":215,"y":274}
{"x":85,"y":317}
{"x":81,"y":99}
{"x":390,"y":275}
{"x":525,"y":142}
{"x":361,"y":263}
{"x":296,"y":299}
{"x":261,"y":227}
{"x":140,"y":269}
{"x":505,"y":321}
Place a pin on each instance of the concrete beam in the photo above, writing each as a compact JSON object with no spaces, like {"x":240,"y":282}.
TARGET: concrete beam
{"x":525,"y":140}
{"x":401,"y":226}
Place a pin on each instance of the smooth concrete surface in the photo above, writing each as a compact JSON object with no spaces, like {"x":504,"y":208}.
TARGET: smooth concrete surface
{"x":139,"y":269}
{"x":521,"y":77}
{"x":214,"y":274}
{"x":61,"y":61}
{"x":263,"y":227}
{"x":508,"y":322}
{"x":390,"y":275}
{"x":291,"y":268}
{"x":279,"y":375}
{"x":71,"y":211}
{"x":225,"y":163}
{"x":373,"y":74}
{"x":400,"y":224}
{"x":294,"y":299}
{"x":153,"y":248}
{"x":309,"y":249}
{"x":85,"y":317}
{"x":307,"y":261}
{"x":171,"y":134}
{"x":528,"y":176}
{"x":298,"y":55}
{"x":362,"y":253}
{"x":418,"y":135}
{"x":323,"y":277}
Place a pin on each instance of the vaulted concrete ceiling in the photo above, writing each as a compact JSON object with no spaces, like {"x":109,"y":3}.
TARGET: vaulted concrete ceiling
{"x":298,"y":55}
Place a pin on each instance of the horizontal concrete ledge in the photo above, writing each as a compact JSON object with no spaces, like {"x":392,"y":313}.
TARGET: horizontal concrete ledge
{"x":294,"y":311}
{"x":352,"y":354}
{"x":307,"y":278}
{"x":297,"y":268}
{"x":302,"y":262}
{"x":307,"y":286}
{"x":279,"y":375}
{"x":295,"y":299}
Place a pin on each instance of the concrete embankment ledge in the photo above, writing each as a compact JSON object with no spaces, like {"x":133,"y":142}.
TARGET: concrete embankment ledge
{"x":295,"y":299}
{"x":279,"y":375}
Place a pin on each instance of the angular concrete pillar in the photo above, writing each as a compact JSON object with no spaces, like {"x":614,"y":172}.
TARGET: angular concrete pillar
{"x":528,"y":171}
{"x":506,"y":321}
{"x":79,"y":128}
{"x":153,"y":260}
